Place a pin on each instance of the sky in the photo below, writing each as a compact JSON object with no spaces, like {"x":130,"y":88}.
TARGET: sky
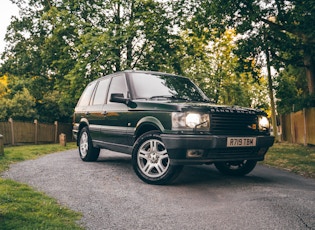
{"x":7,"y":9}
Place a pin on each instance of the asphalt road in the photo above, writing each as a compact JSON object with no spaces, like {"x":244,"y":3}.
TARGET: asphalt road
{"x":110,"y":195}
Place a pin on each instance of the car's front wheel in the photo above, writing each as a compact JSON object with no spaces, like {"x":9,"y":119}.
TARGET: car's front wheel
{"x":86,"y":150}
{"x":151,"y":161}
{"x":236,"y":168}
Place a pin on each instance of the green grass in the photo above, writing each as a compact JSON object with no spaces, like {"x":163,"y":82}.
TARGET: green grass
{"x":292,"y":157}
{"x":23,"y":208}
{"x":28,"y":152}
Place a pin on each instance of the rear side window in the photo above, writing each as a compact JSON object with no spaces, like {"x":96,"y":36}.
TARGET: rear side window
{"x":86,"y":95}
{"x":101,"y":92}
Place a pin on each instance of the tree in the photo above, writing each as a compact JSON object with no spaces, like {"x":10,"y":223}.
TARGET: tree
{"x":268,"y":29}
{"x":15,"y":100}
{"x":214,"y":66}
{"x":130,"y":35}
{"x":60,"y":46}
{"x":38,"y":52}
{"x":289,"y":24}
{"x":3,"y":85}
{"x":292,"y":92}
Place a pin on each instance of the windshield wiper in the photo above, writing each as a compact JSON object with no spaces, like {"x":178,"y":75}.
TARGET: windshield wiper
{"x":161,"y":96}
{"x":170,"y":97}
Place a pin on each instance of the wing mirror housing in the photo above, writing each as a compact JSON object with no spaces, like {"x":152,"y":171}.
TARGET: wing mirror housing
{"x":119,"y":98}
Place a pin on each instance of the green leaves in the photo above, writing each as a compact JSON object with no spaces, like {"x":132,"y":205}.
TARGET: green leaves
{"x":216,"y":69}
{"x":291,"y":90}
{"x":59,"y":47}
{"x":20,"y":107}
{"x":56,"y":47}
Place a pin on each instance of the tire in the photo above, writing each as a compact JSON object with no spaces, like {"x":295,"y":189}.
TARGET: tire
{"x":151,"y":162}
{"x":236,"y":168}
{"x":86,"y":150}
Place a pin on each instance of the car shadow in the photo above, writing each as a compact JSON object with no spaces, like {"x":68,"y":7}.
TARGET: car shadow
{"x":190,"y":175}
{"x":208,"y":174}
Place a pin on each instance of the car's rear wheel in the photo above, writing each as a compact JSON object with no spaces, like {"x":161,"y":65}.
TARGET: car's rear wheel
{"x":86,"y":150}
{"x":236,"y":168}
{"x":151,"y":161}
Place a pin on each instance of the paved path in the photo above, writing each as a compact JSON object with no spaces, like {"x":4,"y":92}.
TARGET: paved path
{"x":111,"y":196}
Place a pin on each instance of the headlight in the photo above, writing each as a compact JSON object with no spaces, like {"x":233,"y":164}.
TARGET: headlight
{"x":263,"y":123}
{"x":190,"y":121}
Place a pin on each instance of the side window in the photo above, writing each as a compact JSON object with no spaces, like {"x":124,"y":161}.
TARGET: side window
{"x":101,"y":92}
{"x":118,"y":85}
{"x":86,"y":95}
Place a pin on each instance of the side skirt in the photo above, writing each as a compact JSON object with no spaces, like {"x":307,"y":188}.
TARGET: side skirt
{"x":113,"y":147}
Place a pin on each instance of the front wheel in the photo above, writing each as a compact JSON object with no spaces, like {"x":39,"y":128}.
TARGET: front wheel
{"x":236,"y":168}
{"x":151,"y":162}
{"x":86,"y":150}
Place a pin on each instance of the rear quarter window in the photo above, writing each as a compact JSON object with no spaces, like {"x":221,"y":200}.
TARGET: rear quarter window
{"x":101,"y":92}
{"x":86,"y":95}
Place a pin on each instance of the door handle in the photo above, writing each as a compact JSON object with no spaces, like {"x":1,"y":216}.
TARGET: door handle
{"x":87,"y":113}
{"x":104,"y":113}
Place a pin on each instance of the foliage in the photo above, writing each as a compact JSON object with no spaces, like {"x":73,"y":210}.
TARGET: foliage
{"x":291,"y":90}
{"x":16,"y":100}
{"x":273,"y":26}
{"x":19,"y":107}
{"x":56,"y":47}
{"x":131,"y":34}
{"x":3,"y":85}
{"x":214,"y":66}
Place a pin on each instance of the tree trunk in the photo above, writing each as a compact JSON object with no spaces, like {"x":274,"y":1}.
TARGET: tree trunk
{"x":309,"y":63}
{"x":117,"y":49}
{"x":272,"y":101}
{"x":130,"y":38}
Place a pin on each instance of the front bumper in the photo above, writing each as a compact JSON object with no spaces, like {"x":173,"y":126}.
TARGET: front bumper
{"x":198,"y":149}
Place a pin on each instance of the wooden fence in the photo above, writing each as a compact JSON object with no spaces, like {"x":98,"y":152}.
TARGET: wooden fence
{"x":299,"y":127}
{"x":19,"y":132}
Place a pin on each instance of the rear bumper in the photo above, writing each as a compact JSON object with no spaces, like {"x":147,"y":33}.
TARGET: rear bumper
{"x":198,"y":149}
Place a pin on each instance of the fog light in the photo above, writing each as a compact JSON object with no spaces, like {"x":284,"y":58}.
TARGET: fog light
{"x":192,"y":153}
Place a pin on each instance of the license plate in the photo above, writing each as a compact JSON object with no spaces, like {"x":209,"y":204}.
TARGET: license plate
{"x":241,"y":141}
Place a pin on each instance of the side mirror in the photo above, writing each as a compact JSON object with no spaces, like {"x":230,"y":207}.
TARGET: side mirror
{"x":119,"y":98}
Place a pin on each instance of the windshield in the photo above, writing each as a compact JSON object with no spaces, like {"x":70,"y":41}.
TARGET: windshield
{"x":161,"y":87}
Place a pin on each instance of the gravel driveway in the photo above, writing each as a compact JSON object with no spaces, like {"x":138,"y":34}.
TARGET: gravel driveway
{"x":111,"y":196}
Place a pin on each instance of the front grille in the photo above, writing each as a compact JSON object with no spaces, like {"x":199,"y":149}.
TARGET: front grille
{"x":233,"y":124}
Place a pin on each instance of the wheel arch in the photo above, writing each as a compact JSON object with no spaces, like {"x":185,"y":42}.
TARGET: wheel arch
{"x":147,"y":124}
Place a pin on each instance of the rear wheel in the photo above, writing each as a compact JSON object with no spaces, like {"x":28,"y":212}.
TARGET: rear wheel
{"x":151,"y":161}
{"x":86,"y":150}
{"x":236,"y":168}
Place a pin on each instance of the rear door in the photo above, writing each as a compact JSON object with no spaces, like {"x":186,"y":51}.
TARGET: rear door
{"x":95,"y":110}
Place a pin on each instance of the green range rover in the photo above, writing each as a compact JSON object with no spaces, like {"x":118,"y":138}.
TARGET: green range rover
{"x":165,"y":121}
